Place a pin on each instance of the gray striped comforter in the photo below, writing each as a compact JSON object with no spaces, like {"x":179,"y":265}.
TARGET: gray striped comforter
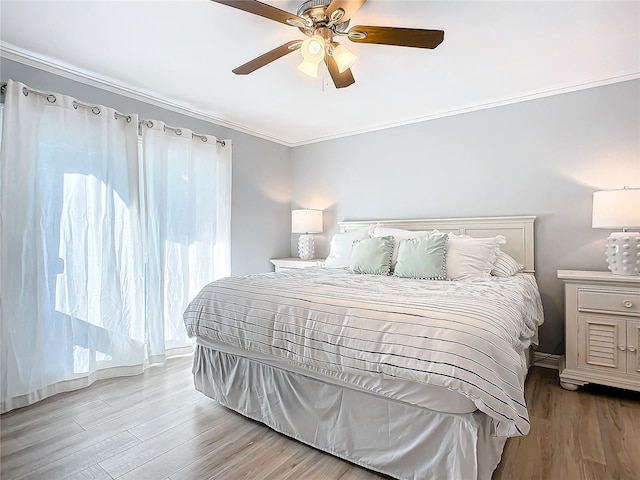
{"x":470,"y":337}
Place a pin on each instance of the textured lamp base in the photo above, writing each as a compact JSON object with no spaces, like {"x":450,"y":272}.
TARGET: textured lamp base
{"x":623,"y":253}
{"x":306,"y":247}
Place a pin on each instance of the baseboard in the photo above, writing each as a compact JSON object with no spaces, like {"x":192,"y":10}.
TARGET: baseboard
{"x":546,"y":360}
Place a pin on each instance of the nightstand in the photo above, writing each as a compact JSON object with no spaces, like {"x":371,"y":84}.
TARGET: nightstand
{"x":602,"y":330}
{"x":283,"y":264}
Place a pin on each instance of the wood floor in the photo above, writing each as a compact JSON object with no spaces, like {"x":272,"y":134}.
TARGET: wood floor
{"x":156,"y":426}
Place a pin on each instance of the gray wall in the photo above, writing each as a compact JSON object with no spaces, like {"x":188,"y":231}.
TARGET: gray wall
{"x":261,"y":189}
{"x":543,"y":157}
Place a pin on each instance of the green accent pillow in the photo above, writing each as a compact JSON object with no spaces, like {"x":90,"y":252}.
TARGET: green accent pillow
{"x":423,"y":257}
{"x":372,"y":255}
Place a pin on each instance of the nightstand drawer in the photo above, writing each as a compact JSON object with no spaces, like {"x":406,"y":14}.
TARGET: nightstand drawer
{"x":626,"y":302}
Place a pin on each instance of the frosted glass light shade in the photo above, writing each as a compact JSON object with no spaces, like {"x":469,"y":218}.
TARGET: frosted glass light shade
{"x":306,"y":221}
{"x":309,"y":68}
{"x":312,"y":53}
{"x":619,"y":209}
{"x":343,"y":57}
{"x":313,"y":48}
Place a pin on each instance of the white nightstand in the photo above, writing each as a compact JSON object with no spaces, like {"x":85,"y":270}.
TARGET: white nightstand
{"x":282,"y":264}
{"x":602,"y":325}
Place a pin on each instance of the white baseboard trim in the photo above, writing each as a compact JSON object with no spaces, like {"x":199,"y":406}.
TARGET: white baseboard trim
{"x":546,"y":360}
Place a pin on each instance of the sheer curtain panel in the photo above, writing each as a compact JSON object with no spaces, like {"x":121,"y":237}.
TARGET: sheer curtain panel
{"x":71,"y":264}
{"x":187,"y":184}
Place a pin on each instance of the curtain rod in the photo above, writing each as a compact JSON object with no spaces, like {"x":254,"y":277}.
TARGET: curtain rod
{"x":96,"y":110}
{"x":51,"y":98}
{"x":178,"y":132}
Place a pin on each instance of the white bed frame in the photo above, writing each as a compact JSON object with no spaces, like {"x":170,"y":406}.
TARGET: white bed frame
{"x":517,"y":230}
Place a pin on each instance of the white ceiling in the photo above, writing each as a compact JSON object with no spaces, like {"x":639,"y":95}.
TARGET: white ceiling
{"x":181,"y":53}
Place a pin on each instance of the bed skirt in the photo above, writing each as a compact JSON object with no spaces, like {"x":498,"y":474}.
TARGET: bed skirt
{"x":395,"y":438}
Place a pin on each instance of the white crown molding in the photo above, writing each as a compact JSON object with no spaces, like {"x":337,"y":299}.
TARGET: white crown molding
{"x":17,"y":54}
{"x":25,"y":57}
{"x":474,"y":108}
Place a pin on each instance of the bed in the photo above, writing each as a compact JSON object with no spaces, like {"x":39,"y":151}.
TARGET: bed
{"x":407,"y":377}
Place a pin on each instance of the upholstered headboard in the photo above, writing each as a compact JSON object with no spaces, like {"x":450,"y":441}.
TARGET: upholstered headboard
{"x":517,"y":230}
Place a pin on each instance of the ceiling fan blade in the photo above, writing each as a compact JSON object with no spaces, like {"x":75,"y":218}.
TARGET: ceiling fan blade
{"x":349,"y":6}
{"x":340,"y":80}
{"x":404,"y":37}
{"x":264,"y":10}
{"x":268,"y":57}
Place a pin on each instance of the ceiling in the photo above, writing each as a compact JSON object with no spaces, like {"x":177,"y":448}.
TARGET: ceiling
{"x":180,"y":54}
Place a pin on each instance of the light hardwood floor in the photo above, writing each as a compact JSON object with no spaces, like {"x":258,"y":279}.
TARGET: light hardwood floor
{"x":156,"y":426}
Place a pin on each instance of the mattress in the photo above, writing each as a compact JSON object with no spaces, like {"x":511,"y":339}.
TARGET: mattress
{"x":470,"y":338}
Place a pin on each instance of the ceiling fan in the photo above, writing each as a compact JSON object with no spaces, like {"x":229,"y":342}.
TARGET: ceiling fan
{"x":322,"y":21}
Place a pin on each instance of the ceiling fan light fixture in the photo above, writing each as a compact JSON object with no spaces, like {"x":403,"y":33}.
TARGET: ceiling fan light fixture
{"x":321,"y":21}
{"x":343,"y":57}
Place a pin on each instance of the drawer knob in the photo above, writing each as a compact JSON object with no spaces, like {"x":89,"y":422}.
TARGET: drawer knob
{"x":627,"y":304}
{"x":622,"y":348}
{"x":632,"y":348}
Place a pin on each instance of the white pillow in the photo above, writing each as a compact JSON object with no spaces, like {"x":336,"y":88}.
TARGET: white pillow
{"x":505,"y":266}
{"x":398,"y":235}
{"x":471,"y":258}
{"x":341,"y":245}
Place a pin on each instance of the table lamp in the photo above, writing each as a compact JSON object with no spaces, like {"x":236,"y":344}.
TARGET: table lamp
{"x":306,"y":221}
{"x":619,"y":209}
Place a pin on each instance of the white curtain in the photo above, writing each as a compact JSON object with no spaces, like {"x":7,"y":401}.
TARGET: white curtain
{"x":100,"y":251}
{"x":187,"y":184}
{"x":71,"y":264}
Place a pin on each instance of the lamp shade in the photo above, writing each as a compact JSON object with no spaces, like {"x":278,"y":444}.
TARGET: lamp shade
{"x":616,"y":208}
{"x":306,"y":221}
{"x":309,"y":68}
{"x":343,"y":57}
{"x":312,"y":53}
